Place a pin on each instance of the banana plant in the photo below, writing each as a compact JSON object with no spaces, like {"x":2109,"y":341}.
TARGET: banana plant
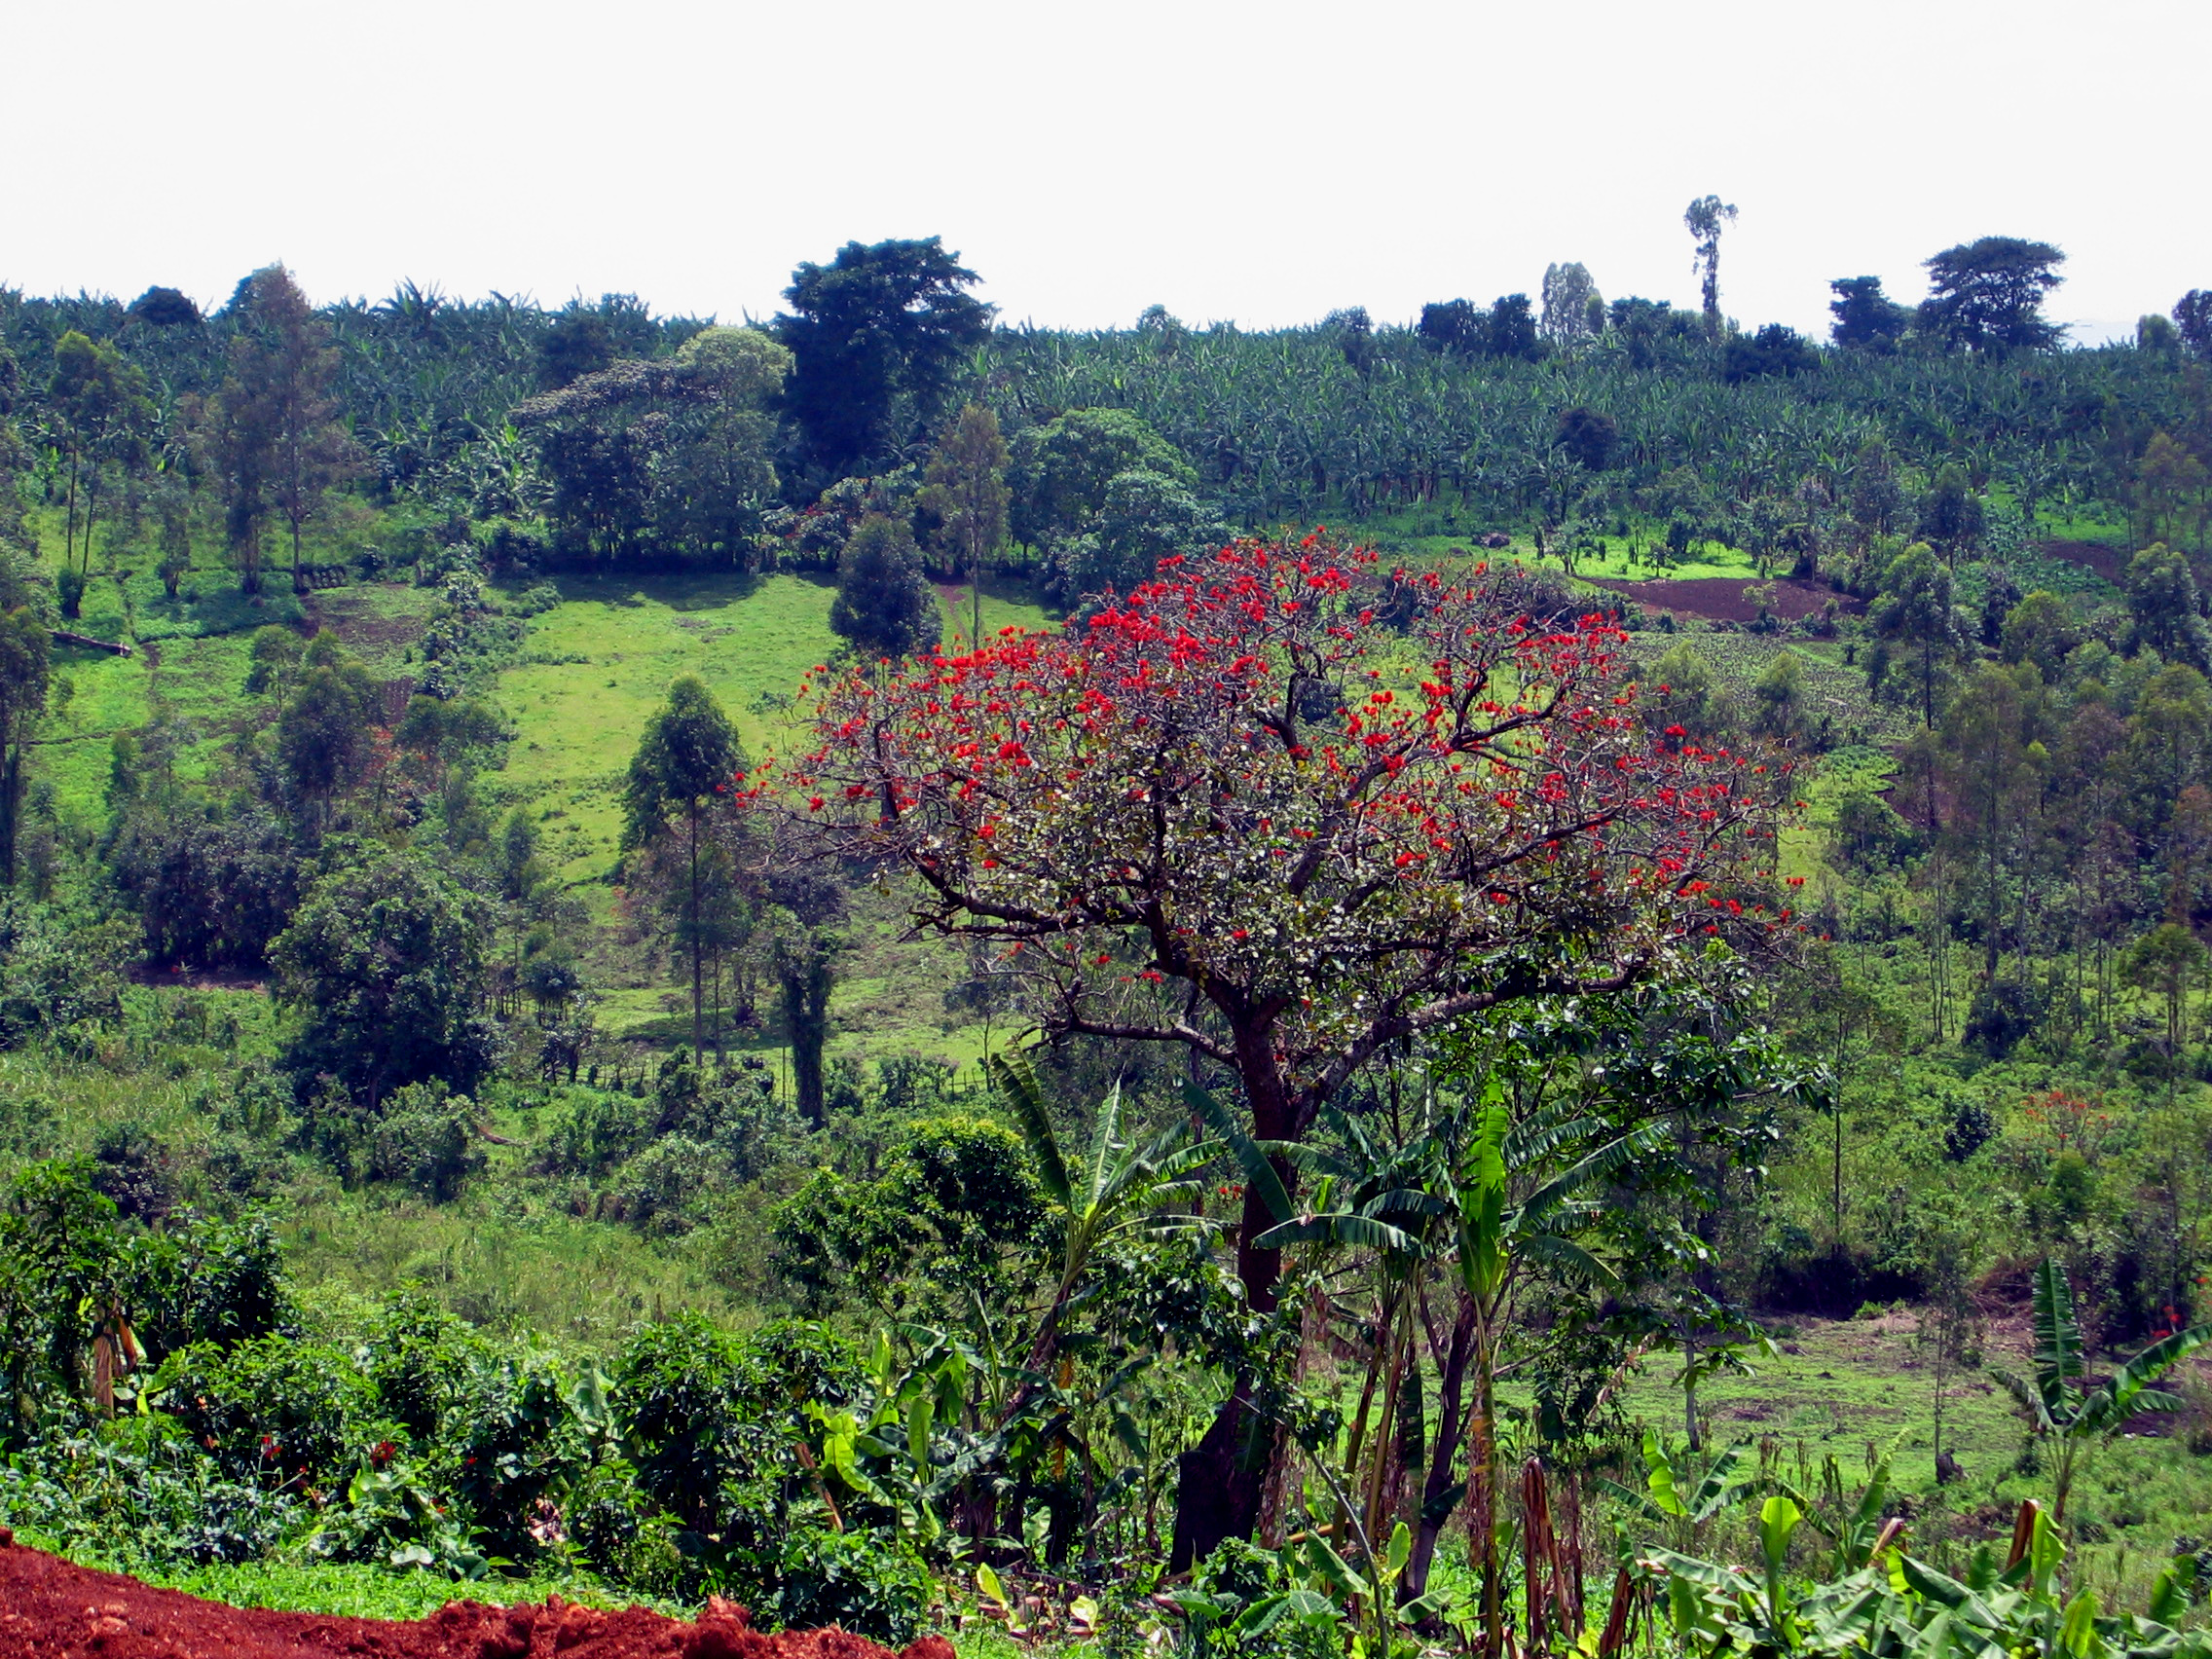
{"x":1894,"y":1604}
{"x":2058,"y":1403}
{"x":1119,"y":1186}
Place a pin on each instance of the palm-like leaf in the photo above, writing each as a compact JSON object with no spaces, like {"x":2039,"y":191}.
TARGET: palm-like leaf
{"x":1258,"y":1175}
{"x":2132,"y":1389}
{"x":2058,"y":1336}
{"x":1016,"y":1081}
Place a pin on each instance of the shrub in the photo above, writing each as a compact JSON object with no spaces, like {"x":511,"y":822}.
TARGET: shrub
{"x":858,"y":1581}
{"x":426,"y":1138}
{"x":58,"y":982}
{"x":273,"y":1411}
{"x":682,"y":1421}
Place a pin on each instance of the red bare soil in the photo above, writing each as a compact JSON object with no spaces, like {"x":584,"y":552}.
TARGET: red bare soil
{"x":1724,"y":599}
{"x":53,"y":1611}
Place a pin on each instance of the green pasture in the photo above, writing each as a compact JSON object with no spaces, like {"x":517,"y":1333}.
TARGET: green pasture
{"x":593,"y":668}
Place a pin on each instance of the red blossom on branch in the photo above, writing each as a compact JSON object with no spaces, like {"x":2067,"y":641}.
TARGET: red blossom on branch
{"x":1342,"y":807}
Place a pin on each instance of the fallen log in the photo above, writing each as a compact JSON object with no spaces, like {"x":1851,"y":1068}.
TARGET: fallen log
{"x":62,"y":637}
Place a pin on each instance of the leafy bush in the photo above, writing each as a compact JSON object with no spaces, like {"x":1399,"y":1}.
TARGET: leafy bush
{"x":682,"y":1421}
{"x":274,"y":1410}
{"x":426,"y":1138}
{"x":867,"y":1584}
{"x":59,"y":982}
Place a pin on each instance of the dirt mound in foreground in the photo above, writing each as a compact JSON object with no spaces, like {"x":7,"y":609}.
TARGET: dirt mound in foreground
{"x":53,"y":1611}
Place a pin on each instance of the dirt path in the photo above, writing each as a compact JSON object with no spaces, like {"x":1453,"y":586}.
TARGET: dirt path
{"x":53,"y":1611}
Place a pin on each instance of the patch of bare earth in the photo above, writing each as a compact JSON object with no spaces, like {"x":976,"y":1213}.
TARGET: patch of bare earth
{"x":49,"y":1608}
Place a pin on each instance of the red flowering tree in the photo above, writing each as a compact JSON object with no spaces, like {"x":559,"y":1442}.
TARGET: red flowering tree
{"x":1284,"y":810}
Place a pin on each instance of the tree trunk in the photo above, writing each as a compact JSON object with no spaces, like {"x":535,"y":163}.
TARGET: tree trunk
{"x":1223,"y":1479}
{"x":1450,"y":1429}
{"x":691,"y":814}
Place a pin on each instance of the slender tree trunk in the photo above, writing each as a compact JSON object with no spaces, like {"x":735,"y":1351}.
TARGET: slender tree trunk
{"x":1450,"y":1429}
{"x":691,"y":813}
{"x":69,"y":519}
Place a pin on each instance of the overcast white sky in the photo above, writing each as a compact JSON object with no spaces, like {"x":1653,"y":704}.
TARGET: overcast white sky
{"x":1264,"y":163}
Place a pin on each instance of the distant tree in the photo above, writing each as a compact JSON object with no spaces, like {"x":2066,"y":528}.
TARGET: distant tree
{"x":1704,"y":218}
{"x":384,"y":961}
{"x":965,"y":489}
{"x":164,"y":308}
{"x":104,"y":418}
{"x":2041,"y":629}
{"x":1571,"y":298}
{"x":1511,"y":329}
{"x":280,"y":440}
{"x":885,"y":603}
{"x":1950,"y":513}
{"x":1775,"y":350}
{"x":805,"y":964}
{"x":688,"y":754}
{"x":2193,"y":319}
{"x":671,"y":454}
{"x":1354,"y":333}
{"x":1454,"y":326}
{"x":2163,"y":598}
{"x":2157,"y":335}
{"x":1588,"y":436}
{"x":1876,"y":498}
{"x":23,"y":677}
{"x":1916,"y":612}
{"x":1867,"y":320}
{"x":1062,"y":469}
{"x":577,"y":344}
{"x":272,"y":658}
{"x":1988,"y":295}
{"x":876,"y":335}
{"x":1146,"y":517}
{"x":2172,"y":488}
{"x":326,"y":737}
{"x":2167,"y":961}
{"x":1643,"y":326}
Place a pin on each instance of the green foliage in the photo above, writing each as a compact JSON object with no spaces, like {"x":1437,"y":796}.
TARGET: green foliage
{"x":885,"y":605}
{"x":875,"y":337}
{"x":1062,"y":469}
{"x":384,"y":960}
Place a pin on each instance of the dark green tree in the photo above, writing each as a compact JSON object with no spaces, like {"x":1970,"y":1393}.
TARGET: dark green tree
{"x":1145,"y":517}
{"x":23,"y":674}
{"x":386,"y":962}
{"x":2193,"y":319}
{"x":965,"y":491}
{"x":686,"y":757}
{"x":1706,"y":217}
{"x":1775,"y":350}
{"x":104,"y":418}
{"x":2165,"y":600}
{"x":877,"y":335}
{"x":1062,"y":469}
{"x":1454,"y":326}
{"x":1950,"y":513}
{"x":1588,"y":436}
{"x":1916,"y":613}
{"x":1867,"y":320}
{"x":1511,"y":329}
{"x":1988,"y":295}
{"x":284,"y":441}
{"x":885,"y":603}
{"x":326,"y":734}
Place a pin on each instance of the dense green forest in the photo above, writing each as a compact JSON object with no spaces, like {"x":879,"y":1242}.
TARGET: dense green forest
{"x":848,"y":962}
